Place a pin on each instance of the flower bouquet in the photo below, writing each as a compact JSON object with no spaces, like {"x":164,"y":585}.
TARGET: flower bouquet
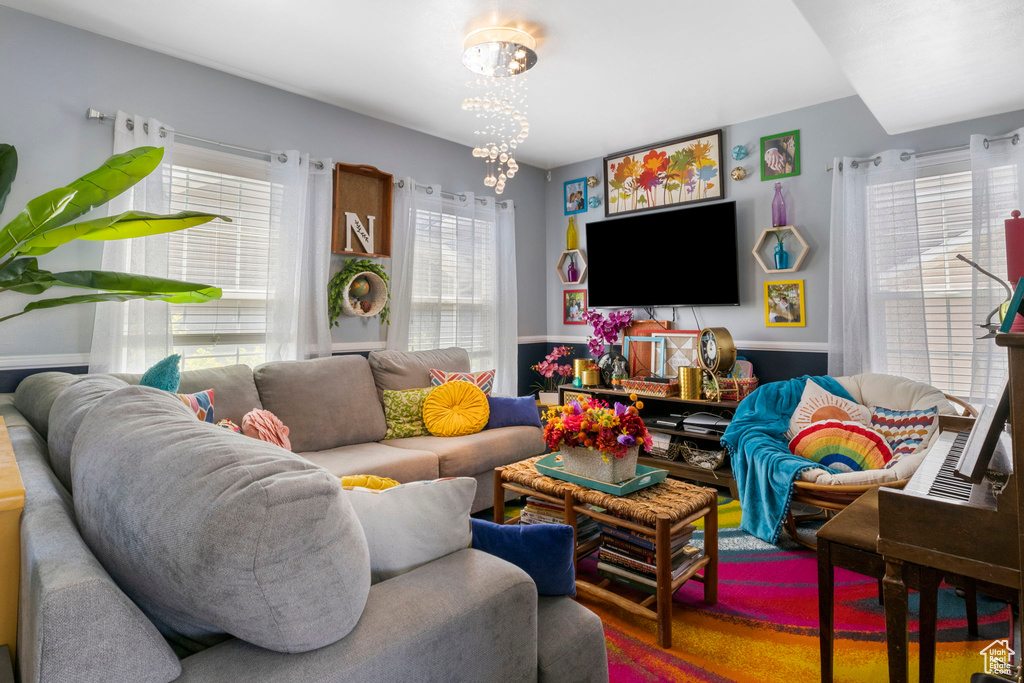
{"x":597,"y":441}
{"x":606,"y":331}
{"x":552,"y":373}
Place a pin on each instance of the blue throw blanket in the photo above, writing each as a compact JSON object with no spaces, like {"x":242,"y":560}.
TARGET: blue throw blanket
{"x":759,"y":451}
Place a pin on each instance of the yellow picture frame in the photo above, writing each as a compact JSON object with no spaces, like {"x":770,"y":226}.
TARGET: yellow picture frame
{"x":779,"y":310}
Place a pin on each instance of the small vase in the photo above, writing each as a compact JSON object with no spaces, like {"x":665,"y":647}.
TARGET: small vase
{"x":781,"y":257}
{"x":588,"y":463}
{"x":572,"y":236}
{"x":548,"y":398}
{"x":778,"y":207}
{"x":572,"y":273}
{"x":610,"y":362}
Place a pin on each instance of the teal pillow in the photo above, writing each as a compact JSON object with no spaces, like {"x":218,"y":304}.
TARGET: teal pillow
{"x":164,"y":375}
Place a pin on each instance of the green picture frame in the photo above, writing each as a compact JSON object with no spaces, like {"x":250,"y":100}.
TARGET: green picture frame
{"x":787,"y":148}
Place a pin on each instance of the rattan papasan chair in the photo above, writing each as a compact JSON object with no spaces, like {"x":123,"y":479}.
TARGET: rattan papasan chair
{"x":829,"y":492}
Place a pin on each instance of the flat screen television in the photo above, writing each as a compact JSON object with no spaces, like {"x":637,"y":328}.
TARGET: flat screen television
{"x":685,"y":257}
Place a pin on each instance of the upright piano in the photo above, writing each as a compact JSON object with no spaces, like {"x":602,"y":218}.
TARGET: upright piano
{"x":960,"y":512}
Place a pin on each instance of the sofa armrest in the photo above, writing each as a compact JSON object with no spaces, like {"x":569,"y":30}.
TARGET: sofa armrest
{"x":468,"y":616}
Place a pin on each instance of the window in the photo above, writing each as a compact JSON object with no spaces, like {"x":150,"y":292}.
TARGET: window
{"x":233,"y":256}
{"x":454,"y":283}
{"x":944,"y":353}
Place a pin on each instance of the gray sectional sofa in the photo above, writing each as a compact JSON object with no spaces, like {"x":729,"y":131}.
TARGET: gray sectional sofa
{"x":467,"y":616}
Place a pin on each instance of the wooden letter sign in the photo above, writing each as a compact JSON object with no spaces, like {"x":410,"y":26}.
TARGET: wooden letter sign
{"x":362,"y":206}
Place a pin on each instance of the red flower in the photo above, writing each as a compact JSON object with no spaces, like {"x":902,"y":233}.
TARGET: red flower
{"x":655,"y":162}
{"x":648,"y":179}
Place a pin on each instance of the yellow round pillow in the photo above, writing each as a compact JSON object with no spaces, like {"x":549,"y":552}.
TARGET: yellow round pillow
{"x":456,"y":409}
{"x":368,"y":481}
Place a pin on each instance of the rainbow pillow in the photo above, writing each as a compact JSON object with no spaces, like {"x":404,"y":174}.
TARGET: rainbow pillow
{"x":843,"y":446}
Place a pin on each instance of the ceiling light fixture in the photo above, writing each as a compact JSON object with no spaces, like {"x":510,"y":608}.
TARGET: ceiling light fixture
{"x":500,"y":57}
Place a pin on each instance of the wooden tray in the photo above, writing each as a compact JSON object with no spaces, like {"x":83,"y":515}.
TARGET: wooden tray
{"x":645,"y":476}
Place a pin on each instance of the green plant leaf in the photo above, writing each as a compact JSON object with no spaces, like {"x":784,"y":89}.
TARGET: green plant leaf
{"x":122,"y":226}
{"x":24,"y":276}
{"x":8,"y":170}
{"x":79,"y":299}
{"x":173,"y":291}
{"x":35,"y":214}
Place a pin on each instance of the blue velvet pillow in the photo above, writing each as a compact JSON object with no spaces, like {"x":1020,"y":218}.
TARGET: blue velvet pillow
{"x":513,"y":412}
{"x":544,"y":551}
{"x":163,"y":375}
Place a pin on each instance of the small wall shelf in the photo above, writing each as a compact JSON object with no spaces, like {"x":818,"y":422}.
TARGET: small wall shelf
{"x":797,"y":260}
{"x":581,"y":263}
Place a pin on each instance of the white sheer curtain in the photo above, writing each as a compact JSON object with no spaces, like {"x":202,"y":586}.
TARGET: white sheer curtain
{"x":454,"y":278}
{"x":300,"y":258}
{"x":876,"y":291}
{"x":131,"y":336}
{"x":997,"y":179}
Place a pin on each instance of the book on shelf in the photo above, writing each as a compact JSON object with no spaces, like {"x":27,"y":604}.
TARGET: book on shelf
{"x":617,"y":572}
{"x":646,"y":542}
{"x":647,"y":564}
{"x":635,"y":585}
{"x":542,"y":511}
{"x":641,"y":552}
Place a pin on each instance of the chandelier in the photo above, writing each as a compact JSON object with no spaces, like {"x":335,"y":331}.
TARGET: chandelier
{"x":500,"y":57}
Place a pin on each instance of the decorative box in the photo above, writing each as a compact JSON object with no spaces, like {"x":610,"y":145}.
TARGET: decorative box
{"x":637,"y":385}
{"x":736,"y":389}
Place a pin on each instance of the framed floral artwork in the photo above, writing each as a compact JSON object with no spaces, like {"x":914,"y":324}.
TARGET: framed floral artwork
{"x":784,"y":304}
{"x":682,"y":171}
{"x":780,"y":155}
{"x":575,"y":305}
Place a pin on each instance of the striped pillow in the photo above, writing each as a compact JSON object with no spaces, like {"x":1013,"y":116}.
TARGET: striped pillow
{"x":484,"y":380}
{"x":905,"y":430}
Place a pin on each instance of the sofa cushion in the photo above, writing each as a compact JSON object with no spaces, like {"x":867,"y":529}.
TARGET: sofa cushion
{"x":897,"y":393}
{"x":233,"y":386}
{"x":213,"y":533}
{"x":401,"y":464}
{"x":326,"y":402}
{"x":411,"y":369}
{"x":571,"y":645}
{"x":456,"y":409}
{"x":467,"y":456}
{"x":66,"y":415}
{"x":35,"y":396}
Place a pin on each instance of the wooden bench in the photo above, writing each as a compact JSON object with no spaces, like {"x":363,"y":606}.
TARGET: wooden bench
{"x":12,"y":502}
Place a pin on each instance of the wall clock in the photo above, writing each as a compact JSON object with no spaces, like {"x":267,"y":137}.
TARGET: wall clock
{"x":717,"y":351}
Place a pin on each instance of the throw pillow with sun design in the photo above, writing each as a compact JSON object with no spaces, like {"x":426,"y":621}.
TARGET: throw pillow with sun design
{"x":817,"y":404}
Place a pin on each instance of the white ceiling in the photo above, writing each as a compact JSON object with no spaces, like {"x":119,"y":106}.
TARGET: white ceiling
{"x":611,"y":74}
{"x":921,"y":63}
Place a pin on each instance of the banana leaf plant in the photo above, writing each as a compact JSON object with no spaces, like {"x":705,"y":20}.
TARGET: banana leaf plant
{"x":46,"y":223}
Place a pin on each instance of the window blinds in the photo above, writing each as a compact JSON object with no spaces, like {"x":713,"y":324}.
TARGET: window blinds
{"x":233,"y":256}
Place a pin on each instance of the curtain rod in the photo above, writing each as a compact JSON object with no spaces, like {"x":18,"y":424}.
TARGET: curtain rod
{"x":1014,"y":139}
{"x":91,"y":113}
{"x":451,"y":195}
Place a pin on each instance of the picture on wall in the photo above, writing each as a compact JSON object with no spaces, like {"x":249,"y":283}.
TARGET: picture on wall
{"x":780,"y":155}
{"x":784,"y":304}
{"x":682,"y":171}
{"x":575,"y":196}
{"x":575,"y":305}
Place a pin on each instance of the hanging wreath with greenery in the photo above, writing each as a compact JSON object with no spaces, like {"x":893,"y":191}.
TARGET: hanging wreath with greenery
{"x":337,"y":288}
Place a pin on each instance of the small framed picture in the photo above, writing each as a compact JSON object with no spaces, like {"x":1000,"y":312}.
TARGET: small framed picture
{"x":575,"y":305}
{"x":784,"y":304}
{"x":780,"y":155}
{"x":575,"y":196}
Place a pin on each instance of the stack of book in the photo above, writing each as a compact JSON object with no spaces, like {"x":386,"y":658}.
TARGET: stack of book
{"x":629,"y":558}
{"x":541,"y":511}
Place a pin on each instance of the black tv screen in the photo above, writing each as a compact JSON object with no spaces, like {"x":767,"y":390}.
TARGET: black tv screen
{"x":685,"y":257}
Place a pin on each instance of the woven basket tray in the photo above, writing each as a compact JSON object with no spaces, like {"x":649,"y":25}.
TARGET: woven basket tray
{"x":655,"y":389}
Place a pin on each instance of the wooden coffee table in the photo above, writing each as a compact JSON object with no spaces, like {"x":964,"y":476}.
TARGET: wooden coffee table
{"x":657,"y":512}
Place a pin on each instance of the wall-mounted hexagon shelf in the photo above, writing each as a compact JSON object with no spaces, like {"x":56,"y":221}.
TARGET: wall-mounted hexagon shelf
{"x":581,"y":264}
{"x":797,"y":261}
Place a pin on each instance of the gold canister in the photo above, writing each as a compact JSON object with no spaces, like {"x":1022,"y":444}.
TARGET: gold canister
{"x":689,"y":383}
{"x":591,"y":377}
{"x":579,"y":365}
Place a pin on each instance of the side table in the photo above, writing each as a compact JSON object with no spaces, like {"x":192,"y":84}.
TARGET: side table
{"x":656,"y":513}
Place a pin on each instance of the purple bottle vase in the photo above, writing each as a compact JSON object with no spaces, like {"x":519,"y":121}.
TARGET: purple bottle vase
{"x":778,"y":207}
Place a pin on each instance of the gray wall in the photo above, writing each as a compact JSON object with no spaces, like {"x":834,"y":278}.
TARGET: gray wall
{"x":51,"y":73}
{"x":842,"y":127}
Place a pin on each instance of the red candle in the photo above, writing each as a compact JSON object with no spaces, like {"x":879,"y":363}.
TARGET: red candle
{"x":1015,"y":257}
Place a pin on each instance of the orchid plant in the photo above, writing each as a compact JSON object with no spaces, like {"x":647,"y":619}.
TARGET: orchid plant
{"x":590,"y":423}
{"x":551,"y":371}
{"x":606,"y":329}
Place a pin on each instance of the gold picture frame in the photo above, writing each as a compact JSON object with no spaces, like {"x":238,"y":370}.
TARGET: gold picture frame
{"x":779,"y":308}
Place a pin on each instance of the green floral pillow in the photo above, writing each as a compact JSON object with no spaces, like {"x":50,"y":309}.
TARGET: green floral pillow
{"x":403,"y":411}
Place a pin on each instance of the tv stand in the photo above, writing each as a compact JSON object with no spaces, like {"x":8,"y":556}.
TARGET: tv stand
{"x":679,"y":469}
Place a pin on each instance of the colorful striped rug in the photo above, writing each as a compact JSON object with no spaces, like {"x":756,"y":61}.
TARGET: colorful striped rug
{"x":765,"y":625}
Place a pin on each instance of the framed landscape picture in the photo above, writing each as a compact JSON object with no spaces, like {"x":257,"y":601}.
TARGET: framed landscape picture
{"x":574,"y":305}
{"x":784,"y":304}
{"x":780,"y":155}
{"x":682,"y":171}
{"x":575,"y":196}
